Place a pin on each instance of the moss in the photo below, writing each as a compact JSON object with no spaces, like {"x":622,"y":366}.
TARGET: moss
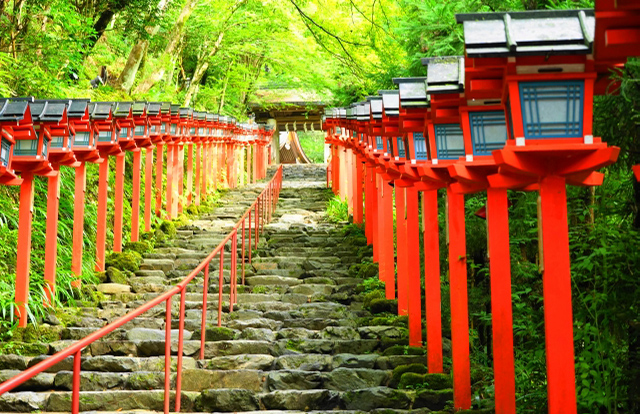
{"x":129,"y":260}
{"x":404,"y":350}
{"x":159,"y":236}
{"x":383,"y":306}
{"x":367,"y":270}
{"x":37,"y":334}
{"x":116,"y":276}
{"x":218,"y":333}
{"x":192,"y":209}
{"x":371,"y":296}
{"x":294,"y":344}
{"x":168,"y":228}
{"x":431,"y":381}
{"x":140,"y":247}
{"x":400,"y":370}
{"x":23,"y":348}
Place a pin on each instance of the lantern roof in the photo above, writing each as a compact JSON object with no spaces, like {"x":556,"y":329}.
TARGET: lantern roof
{"x":200,"y":115}
{"x":175,"y":110}
{"x":352,"y":111}
{"x":363,"y":111}
{"x":78,"y":108}
{"x":529,"y":33}
{"x":154,"y":108}
{"x":139,"y":108}
{"x":390,"y":102}
{"x":100,"y":110}
{"x":376,"y":106}
{"x":13,"y":110}
{"x":165,"y":108}
{"x":444,"y":74}
{"x":48,"y":111}
{"x":342,"y":113}
{"x":413,"y":92}
{"x":123,"y":109}
{"x":210,"y":117}
{"x":186,"y":112}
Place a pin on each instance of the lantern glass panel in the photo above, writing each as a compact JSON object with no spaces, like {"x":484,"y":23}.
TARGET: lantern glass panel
{"x":81,"y":138}
{"x":488,"y":131}
{"x":124,"y":133}
{"x":5,"y":151}
{"x":104,"y":136}
{"x":26,"y":147}
{"x":139,"y":131}
{"x":57,"y":142}
{"x":174,"y":127}
{"x":552,"y":109}
{"x":379,"y":143}
{"x":192,"y":131}
{"x":419,"y":146}
{"x":201,"y":131}
{"x":45,"y":147}
{"x":449,"y":141}
{"x":338,"y":131}
{"x":400,"y":144}
{"x":163,"y":128}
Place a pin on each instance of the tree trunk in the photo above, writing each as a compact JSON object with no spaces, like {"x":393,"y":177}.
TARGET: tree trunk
{"x":128,"y":74}
{"x":201,"y":69}
{"x":99,"y":27}
{"x":224,"y":88}
{"x":171,"y":48}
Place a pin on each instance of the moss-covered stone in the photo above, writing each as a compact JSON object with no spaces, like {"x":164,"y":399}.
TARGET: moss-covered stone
{"x":400,"y":370}
{"x":377,"y":306}
{"x":37,"y":334}
{"x":159,"y":236}
{"x":129,"y":260}
{"x":117,"y":276}
{"x":367,"y":270}
{"x":23,"y":348}
{"x":371,"y":296}
{"x":403,"y":350}
{"x":391,"y":342}
{"x":140,"y":247}
{"x":192,"y":209}
{"x":217,"y":333}
{"x":168,"y":228}
{"x":429,"y":381}
{"x":102,"y":276}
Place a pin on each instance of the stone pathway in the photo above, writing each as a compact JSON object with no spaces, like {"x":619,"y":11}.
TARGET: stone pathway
{"x":299,"y":340}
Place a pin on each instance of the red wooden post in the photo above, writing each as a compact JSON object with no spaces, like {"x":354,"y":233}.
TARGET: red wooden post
{"x":198,"y":172}
{"x":118,"y":203}
{"x":386,"y":239}
{"x":159,"y":175}
{"x":167,"y":356}
{"x":180,"y":177}
{"x":413,"y":268}
{"x":135,"y":197}
{"x":402,"y":251}
{"x":556,"y":279}
{"x":459,"y":307}
{"x":190,"y":174}
{"x":359,"y":182}
{"x":170,"y":173}
{"x":175,"y":182}
{"x":502,"y":318}
{"x":376,"y":208}
{"x":101,"y":233}
{"x":148,"y":185}
{"x":25,"y":216}
{"x":368,"y":203}
{"x":432,"y":280}
{"x":78,"y":218}
{"x":205,"y":169}
{"x":51,"y":238}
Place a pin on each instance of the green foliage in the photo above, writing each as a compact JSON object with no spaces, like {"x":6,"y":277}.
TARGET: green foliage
{"x":337,"y":210}
{"x":313,"y":145}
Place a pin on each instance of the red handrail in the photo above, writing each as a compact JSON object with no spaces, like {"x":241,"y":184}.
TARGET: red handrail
{"x":262,"y":207}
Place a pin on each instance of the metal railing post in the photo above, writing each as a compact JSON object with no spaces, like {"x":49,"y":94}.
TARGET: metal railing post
{"x":180,"y":348}
{"x":203,"y":325}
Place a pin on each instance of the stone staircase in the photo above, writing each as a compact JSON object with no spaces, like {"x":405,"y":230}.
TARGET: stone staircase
{"x":297,"y":341}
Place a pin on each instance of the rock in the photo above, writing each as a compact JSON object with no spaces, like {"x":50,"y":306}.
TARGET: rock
{"x":109,"y":363}
{"x":307,"y":362}
{"x":168,"y":228}
{"x":255,"y":323}
{"x":113,"y":288}
{"x":221,"y":348}
{"x":433,"y":399}
{"x":40,"y":382}
{"x":430,"y":381}
{"x":303,"y":400}
{"x":384,"y":306}
{"x":378,"y":332}
{"x":198,"y":379}
{"x":354,"y":361}
{"x":272,"y":280}
{"x":217,"y":333}
{"x":146,"y":334}
{"x":399,"y":371}
{"x":90,"y":381}
{"x":258,"y":334}
{"x":295,"y":333}
{"x":310,"y":290}
{"x":227,"y":400}
{"x":10,"y":361}
{"x":401,"y":350}
{"x":140,"y":247}
{"x":379,"y":397}
{"x":25,"y":402}
{"x":118,"y":401}
{"x":339,"y":332}
{"x":244,"y":361}
{"x":117,"y":276}
{"x":347,"y":379}
{"x":264,"y":266}
{"x":52,"y":319}
{"x":165,"y":265}
{"x":293,"y":380}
